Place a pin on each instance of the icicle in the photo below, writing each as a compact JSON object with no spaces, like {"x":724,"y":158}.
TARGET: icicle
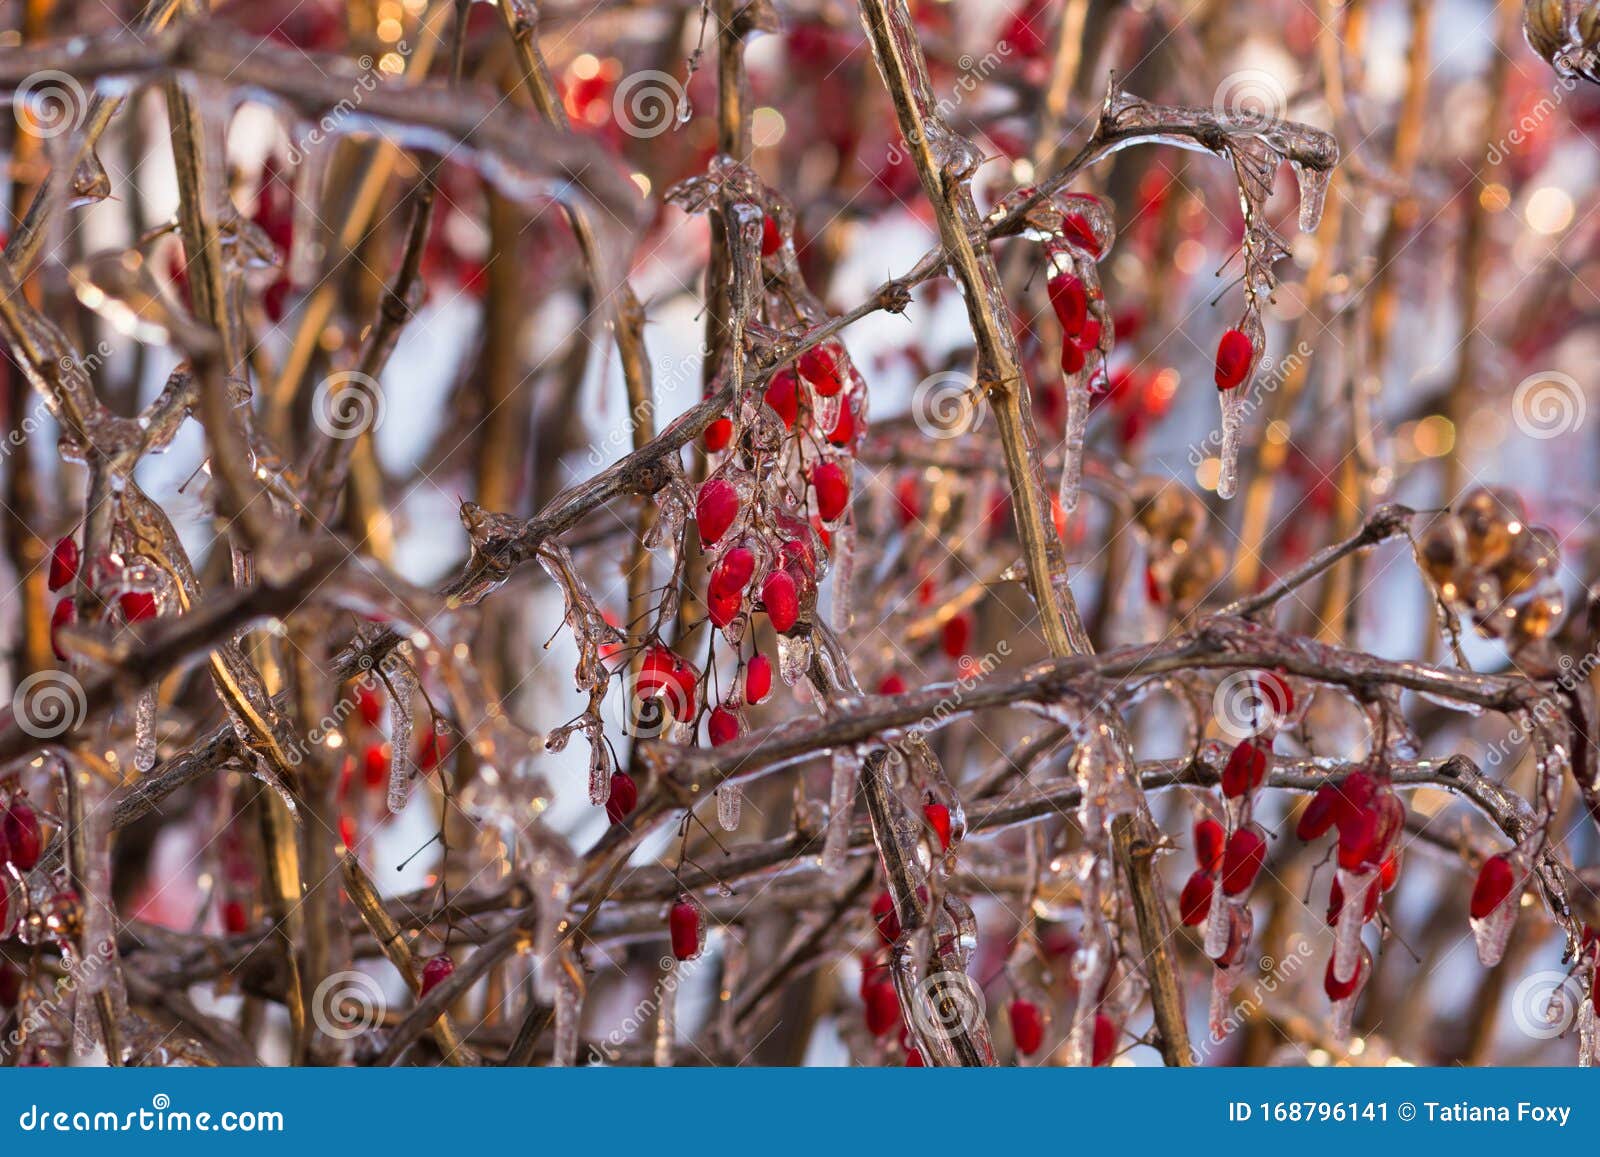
{"x":844,"y":565}
{"x":403,"y":683}
{"x":794,"y":656}
{"x":730,"y":805}
{"x":1313,"y":195}
{"x":1077,"y":387}
{"x":1347,"y":948}
{"x":144,"y":731}
{"x":1588,"y":1038}
{"x":1218,"y":924}
{"x":1344,"y":1012}
{"x":841,"y":802}
{"x":599,"y":772}
{"x":667,"y":1017}
{"x":550,"y":883}
{"x":1220,"y":1011}
{"x":569,"y":1011}
{"x":1493,"y":931}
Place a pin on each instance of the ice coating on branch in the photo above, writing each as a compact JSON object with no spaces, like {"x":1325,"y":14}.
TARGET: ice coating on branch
{"x":846,"y":770}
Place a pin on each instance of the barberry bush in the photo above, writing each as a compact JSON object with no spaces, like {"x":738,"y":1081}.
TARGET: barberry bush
{"x":783,"y":531}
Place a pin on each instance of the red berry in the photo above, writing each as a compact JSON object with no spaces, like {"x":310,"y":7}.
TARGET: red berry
{"x":1246,"y":852}
{"x":716,"y":508}
{"x":885,"y":917}
{"x":375,"y":764}
{"x":63,"y":562}
{"x":718,"y":435}
{"x":1389,"y":874}
{"x":1337,"y":989}
{"x":956,"y":635}
{"x":347,"y":831}
{"x":781,"y":597}
{"x":1366,"y":839}
{"x":891,"y":684}
{"x":683,"y":923}
{"x":771,"y":238}
{"x":1194,"y":903}
{"x":435,"y":971}
{"x":1245,"y":770}
{"x":914,"y":1056}
{"x":883,"y":1009}
{"x":783,"y":395}
{"x":137,"y":606}
{"x":235,"y":920}
{"x":1069,"y":297}
{"x":1090,"y":337}
{"x":722,"y":726}
{"x":369,"y":703}
{"x":844,"y":430}
{"x":1076,"y":229}
{"x":20,"y":829}
{"x":1209,"y":840}
{"x":938,"y":817}
{"x":1105,"y":1039}
{"x":1319,"y":814}
{"x":1027,"y":1026}
{"x":1235,"y":353}
{"x":820,"y":367}
{"x":1072,"y":359}
{"x":624,"y":797}
{"x":11,"y":982}
{"x":908,"y":499}
{"x":758,"y":680}
{"x":1496,"y":879}
{"x":732,"y":574}
{"x":832,"y":488}
{"x":65,"y":614}
{"x":723,"y":609}
{"x":1355,"y":792}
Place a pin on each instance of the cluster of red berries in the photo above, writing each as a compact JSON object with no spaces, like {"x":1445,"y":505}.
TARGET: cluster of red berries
{"x":1484,"y":559}
{"x":135,"y":606}
{"x":1369,"y":818}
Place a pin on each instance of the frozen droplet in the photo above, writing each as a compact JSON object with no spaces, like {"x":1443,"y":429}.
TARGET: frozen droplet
{"x":599,"y":772}
{"x":730,"y":805}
